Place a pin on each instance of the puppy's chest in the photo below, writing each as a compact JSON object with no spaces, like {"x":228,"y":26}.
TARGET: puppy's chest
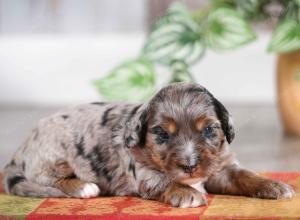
{"x":196,"y":183}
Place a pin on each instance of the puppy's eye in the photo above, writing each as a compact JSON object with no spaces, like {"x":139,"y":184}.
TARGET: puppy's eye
{"x":161,"y":135}
{"x":208,"y":132}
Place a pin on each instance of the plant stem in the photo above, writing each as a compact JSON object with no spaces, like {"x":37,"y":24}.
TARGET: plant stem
{"x":180,"y":72}
{"x":200,"y":15}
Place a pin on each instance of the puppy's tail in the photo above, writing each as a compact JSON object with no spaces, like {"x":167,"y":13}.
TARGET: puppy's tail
{"x":15,"y":183}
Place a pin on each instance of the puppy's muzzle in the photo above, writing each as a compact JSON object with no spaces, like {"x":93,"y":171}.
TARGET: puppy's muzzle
{"x":189,"y":169}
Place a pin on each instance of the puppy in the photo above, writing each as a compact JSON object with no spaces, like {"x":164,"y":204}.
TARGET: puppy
{"x":173,"y":149}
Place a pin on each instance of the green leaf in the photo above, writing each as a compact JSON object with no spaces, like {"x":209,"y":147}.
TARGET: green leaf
{"x":297,"y":2}
{"x":174,"y":36}
{"x":226,"y":30}
{"x":131,"y":81}
{"x":180,"y":72}
{"x":249,"y":9}
{"x":286,"y":37}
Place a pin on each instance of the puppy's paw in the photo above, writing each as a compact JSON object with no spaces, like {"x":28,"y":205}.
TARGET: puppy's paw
{"x":272,"y":189}
{"x":184,"y":197}
{"x":89,"y":190}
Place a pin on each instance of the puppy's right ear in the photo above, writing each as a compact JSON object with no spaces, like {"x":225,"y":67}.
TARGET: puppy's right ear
{"x":136,"y":127}
{"x":225,"y":119}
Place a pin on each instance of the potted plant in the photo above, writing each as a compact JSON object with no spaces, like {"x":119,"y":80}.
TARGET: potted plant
{"x":180,"y":38}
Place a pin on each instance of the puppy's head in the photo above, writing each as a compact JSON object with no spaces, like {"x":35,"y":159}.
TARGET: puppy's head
{"x":181,"y":131}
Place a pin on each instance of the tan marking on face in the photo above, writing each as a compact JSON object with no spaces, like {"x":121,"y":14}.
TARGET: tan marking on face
{"x":157,"y":159}
{"x":153,"y":155}
{"x":201,"y":122}
{"x":170,"y":125}
{"x":149,"y":154}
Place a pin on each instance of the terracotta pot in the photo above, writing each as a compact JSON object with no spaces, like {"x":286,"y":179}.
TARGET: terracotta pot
{"x":288,"y":93}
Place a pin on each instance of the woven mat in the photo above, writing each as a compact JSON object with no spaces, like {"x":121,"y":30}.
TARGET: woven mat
{"x":220,"y":207}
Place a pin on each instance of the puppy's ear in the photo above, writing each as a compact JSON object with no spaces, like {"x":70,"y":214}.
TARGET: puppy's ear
{"x":225,"y":119}
{"x":136,"y":128}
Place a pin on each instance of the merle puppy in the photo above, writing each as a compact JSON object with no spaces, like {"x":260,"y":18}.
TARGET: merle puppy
{"x":173,"y":148}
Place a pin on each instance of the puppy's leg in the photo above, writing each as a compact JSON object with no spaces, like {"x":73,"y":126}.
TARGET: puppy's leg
{"x":233,"y":180}
{"x":72,"y":186}
{"x":183,"y":196}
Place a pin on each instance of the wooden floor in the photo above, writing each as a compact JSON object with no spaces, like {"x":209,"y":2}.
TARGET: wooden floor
{"x":259,"y":144}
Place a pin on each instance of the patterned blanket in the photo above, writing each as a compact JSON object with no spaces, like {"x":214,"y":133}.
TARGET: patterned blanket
{"x":220,"y":207}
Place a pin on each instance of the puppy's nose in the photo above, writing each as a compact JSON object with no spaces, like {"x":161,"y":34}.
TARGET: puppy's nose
{"x":189,"y":169}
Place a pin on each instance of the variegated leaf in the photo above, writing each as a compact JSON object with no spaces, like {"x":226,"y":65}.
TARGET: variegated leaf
{"x":174,"y":36}
{"x":286,"y":37}
{"x":226,"y":30}
{"x":132,"y":81}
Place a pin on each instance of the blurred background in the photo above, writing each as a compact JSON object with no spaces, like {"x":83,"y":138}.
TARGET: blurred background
{"x":51,"y":51}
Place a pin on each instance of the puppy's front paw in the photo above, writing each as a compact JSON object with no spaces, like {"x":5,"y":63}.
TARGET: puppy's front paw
{"x":271,"y":189}
{"x":89,"y":190}
{"x":183,"y":196}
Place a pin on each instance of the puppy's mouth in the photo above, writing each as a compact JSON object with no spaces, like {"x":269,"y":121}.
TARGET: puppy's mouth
{"x":190,"y":171}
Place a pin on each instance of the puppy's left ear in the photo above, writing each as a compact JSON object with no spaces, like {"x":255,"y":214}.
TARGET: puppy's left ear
{"x":225,"y":119}
{"x":136,"y":128}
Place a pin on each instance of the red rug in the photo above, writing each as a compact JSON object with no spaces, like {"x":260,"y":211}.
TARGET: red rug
{"x":220,"y":207}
